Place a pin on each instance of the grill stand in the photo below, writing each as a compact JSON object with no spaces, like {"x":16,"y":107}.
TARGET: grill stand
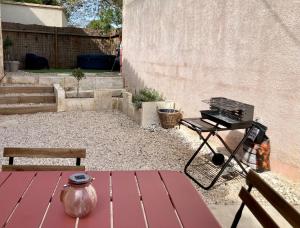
{"x":213,"y":131}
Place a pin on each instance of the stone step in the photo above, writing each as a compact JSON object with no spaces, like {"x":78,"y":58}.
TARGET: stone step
{"x":5,"y":89}
{"x":11,"y":109}
{"x":23,"y":98}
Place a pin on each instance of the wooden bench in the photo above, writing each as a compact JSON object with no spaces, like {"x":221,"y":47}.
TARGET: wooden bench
{"x":43,"y":153}
{"x":291,"y":215}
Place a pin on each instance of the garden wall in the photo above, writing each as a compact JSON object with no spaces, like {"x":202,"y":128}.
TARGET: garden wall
{"x":244,"y":50}
{"x":28,"y":13}
{"x":60,"y":46}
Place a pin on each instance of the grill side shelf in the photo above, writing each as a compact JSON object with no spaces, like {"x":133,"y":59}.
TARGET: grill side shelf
{"x":198,"y":124}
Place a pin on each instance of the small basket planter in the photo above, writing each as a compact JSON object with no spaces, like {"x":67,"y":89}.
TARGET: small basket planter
{"x":169,"y":118}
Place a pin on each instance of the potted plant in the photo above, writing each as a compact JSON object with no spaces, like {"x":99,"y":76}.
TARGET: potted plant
{"x":146,"y":95}
{"x":7,"y":44}
{"x":9,"y":65}
{"x":78,"y":75}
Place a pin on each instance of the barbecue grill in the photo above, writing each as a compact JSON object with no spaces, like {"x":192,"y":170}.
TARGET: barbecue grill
{"x":229,"y":113}
{"x":224,"y":115}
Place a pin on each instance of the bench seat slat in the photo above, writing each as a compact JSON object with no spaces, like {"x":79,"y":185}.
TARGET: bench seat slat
{"x":41,"y":168}
{"x":278,"y":202}
{"x":44,"y":152}
{"x":262,"y":216}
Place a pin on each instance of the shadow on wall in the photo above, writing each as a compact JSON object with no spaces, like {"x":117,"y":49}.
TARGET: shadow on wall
{"x":60,"y":46}
{"x":134,"y":83}
{"x":132,"y":80}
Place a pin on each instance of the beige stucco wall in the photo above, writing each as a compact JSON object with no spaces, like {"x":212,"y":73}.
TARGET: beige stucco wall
{"x":27,"y":13}
{"x":244,"y":50}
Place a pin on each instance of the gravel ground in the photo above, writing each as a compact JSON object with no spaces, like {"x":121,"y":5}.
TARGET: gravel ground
{"x":114,"y":142}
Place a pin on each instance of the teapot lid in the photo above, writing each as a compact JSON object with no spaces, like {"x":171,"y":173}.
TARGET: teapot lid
{"x":79,"y":178}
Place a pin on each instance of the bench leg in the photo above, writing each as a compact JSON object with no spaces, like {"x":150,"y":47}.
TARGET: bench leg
{"x":11,"y":161}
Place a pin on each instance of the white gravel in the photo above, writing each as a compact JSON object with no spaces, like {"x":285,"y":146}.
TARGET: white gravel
{"x":114,"y":142}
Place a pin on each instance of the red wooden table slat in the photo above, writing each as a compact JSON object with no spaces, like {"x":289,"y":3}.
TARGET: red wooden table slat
{"x":56,"y":216}
{"x":190,"y":207}
{"x":33,"y":205}
{"x":127,"y":209}
{"x":11,"y":191}
{"x":158,"y":207}
{"x":100,"y":216}
{"x":3,"y":177}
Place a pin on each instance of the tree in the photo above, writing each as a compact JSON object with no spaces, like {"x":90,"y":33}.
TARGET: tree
{"x":110,"y":18}
{"x":107,"y":17}
{"x":78,"y":75}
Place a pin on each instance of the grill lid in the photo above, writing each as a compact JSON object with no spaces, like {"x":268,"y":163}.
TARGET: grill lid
{"x":228,"y":104}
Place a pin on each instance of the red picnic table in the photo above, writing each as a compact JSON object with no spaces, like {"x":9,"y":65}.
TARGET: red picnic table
{"x":126,"y":199}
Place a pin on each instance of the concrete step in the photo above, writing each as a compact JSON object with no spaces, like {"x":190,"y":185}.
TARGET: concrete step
{"x":11,"y":109}
{"x":24,"y":98}
{"x":5,"y":89}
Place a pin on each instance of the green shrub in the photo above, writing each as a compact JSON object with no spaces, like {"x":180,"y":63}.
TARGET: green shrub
{"x":78,"y":75}
{"x":146,"y":95}
{"x":7,"y":44}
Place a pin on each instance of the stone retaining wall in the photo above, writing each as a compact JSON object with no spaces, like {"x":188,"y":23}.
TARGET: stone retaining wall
{"x":66,"y":81}
{"x":103,"y":100}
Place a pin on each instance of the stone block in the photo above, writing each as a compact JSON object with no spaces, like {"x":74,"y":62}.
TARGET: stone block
{"x":134,"y":113}
{"x":103,"y":100}
{"x":130,"y":111}
{"x":137,"y":115}
{"x":82,"y":94}
{"x":116,"y":103}
{"x":80,"y":104}
{"x":69,"y":82}
{"x":51,"y":80}
{"x":60,"y":98}
{"x":22,"y":79}
{"x":109,"y":83}
{"x":117,"y":92}
{"x":88,"y":83}
{"x":127,"y":100}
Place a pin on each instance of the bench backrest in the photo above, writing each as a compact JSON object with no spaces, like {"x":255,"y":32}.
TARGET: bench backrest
{"x":290,"y":214}
{"x":43,"y":153}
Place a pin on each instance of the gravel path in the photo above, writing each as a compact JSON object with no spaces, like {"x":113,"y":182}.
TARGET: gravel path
{"x":114,"y":142}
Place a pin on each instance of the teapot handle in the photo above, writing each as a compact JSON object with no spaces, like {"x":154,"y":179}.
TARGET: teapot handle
{"x":63,"y":192}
